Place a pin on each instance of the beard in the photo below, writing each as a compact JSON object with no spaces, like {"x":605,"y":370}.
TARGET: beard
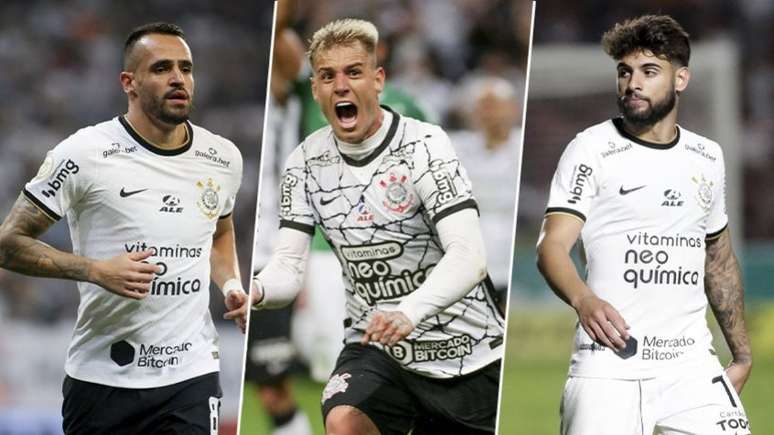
{"x":154,"y":106}
{"x":654,"y":113}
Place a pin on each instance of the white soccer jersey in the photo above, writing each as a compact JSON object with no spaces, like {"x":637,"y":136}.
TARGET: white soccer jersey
{"x":121,"y":194}
{"x":378,"y":214}
{"x":648,"y":211}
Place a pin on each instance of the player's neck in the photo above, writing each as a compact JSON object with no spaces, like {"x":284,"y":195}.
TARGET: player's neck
{"x":158,"y":134}
{"x":661,"y":132}
{"x":361,"y":150}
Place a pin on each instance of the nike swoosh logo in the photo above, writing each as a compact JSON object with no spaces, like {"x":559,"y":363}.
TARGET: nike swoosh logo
{"x":125,"y":194}
{"x":623,"y":191}
{"x":324,"y":201}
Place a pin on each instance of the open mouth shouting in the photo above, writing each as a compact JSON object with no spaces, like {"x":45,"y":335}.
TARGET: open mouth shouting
{"x":346,"y":112}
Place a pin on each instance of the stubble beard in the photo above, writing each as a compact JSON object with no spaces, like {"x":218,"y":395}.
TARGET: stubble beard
{"x":652,"y":114}
{"x":154,"y":106}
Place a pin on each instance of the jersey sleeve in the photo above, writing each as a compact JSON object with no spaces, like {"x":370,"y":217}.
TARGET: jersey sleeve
{"x":717,"y":220}
{"x":64,"y":177}
{"x":236,"y":182}
{"x":575,"y":182}
{"x":295,"y":210}
{"x":440,"y":179}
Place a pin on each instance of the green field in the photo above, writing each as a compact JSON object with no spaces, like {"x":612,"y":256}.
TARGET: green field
{"x":537,"y":354}
{"x":254,"y":420}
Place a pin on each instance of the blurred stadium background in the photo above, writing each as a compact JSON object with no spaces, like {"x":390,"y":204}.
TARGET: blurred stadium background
{"x":60,"y":62}
{"x":571,"y":87}
{"x":439,"y":52}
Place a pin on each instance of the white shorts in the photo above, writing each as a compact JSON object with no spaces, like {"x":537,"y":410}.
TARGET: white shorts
{"x":699,"y":402}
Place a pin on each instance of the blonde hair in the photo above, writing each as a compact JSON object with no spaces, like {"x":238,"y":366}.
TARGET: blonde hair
{"x":345,"y":31}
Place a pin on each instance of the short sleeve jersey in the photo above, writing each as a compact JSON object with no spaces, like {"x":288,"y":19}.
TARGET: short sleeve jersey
{"x":648,"y":210}
{"x":379,"y":216}
{"x":121,"y":194}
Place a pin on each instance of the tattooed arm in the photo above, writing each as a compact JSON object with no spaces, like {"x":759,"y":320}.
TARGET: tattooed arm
{"x":723,"y":285}
{"x":21,"y":251}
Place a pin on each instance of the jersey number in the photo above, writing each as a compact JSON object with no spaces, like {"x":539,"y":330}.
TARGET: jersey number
{"x":728,"y":391}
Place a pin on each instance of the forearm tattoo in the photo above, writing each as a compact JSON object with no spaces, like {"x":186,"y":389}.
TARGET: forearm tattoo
{"x":723,"y":285}
{"x":20,"y":251}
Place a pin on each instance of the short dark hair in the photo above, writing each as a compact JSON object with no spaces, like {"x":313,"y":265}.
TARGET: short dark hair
{"x":660,"y":34}
{"x":147,"y":29}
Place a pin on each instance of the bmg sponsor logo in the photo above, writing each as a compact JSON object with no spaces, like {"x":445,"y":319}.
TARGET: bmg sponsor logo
{"x":436,"y":350}
{"x":59,"y":175}
{"x":580,"y":178}
{"x":289,"y":181}
{"x":371,"y":275}
{"x":443,"y":181}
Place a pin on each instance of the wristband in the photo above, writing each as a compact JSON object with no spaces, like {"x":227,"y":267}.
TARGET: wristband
{"x":232,"y":284}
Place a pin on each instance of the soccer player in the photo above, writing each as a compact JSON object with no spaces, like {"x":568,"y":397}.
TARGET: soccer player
{"x":148,"y":197}
{"x":423,"y":333}
{"x":646,"y":196}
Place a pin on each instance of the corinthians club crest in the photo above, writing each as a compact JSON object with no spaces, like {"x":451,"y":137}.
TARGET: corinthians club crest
{"x":704,"y":193}
{"x":398,"y":198}
{"x":209,"y":199}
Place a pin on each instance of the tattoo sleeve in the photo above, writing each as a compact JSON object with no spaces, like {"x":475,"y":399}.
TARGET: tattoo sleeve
{"x":21,"y":251}
{"x":723,"y":285}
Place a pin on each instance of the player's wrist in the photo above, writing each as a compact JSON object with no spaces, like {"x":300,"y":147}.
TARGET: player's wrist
{"x":93,"y":271}
{"x":257,"y":295}
{"x":577,"y":301}
{"x":231,"y":285}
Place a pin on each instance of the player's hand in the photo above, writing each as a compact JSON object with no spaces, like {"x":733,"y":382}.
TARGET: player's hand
{"x":125,"y":275}
{"x":737,"y":373}
{"x":388,"y":328}
{"x":236,"y":303}
{"x":602,"y":322}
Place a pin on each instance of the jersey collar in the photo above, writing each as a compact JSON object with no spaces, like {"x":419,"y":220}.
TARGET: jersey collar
{"x":387,"y":139}
{"x":153,"y":148}
{"x":618,"y":123}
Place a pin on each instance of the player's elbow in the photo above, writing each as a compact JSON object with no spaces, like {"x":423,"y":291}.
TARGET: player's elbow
{"x":478,"y":265}
{"x":7,"y":243}
{"x":543,"y":253}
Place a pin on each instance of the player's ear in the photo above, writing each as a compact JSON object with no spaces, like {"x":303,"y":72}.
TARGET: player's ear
{"x":682,"y":77}
{"x":379,"y":79}
{"x":127,"y":82}
{"x":314,"y":89}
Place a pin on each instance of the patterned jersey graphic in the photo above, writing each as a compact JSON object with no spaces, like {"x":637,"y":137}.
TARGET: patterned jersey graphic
{"x":379,"y":215}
